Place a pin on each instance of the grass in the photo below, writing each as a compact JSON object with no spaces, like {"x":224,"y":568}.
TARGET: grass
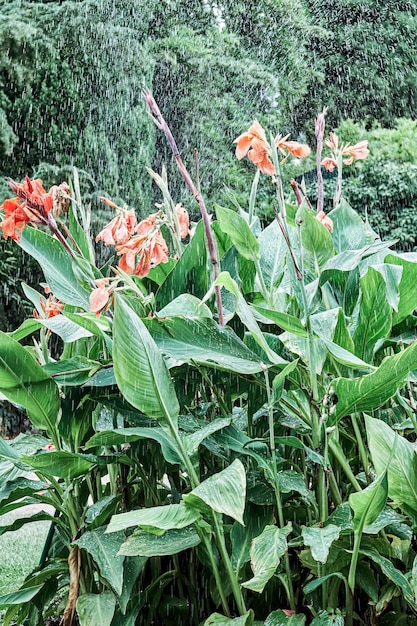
{"x":20,"y":550}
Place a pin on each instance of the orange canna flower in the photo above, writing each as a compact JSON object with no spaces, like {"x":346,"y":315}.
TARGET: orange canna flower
{"x":50,"y":307}
{"x":295,"y":148}
{"x":119,"y":229}
{"x":356,"y":152}
{"x":325,"y":220}
{"x":244,"y":141}
{"x":253,"y":143}
{"x":148,"y":243}
{"x":332,"y":142}
{"x":183,"y":221}
{"x":329,"y":164}
{"x":60,"y":198}
{"x":15,"y":219}
{"x":99,"y":297}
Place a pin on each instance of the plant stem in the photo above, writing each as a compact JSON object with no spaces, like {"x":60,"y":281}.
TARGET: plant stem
{"x":236,"y":590}
{"x":319,"y":131}
{"x":341,"y":459}
{"x":290,"y":590}
{"x":362,"y":450}
{"x":252,"y":197}
{"x":354,"y":560}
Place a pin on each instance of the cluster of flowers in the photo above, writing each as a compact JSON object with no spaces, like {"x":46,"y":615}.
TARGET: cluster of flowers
{"x":356,"y":152}
{"x":32,"y":204}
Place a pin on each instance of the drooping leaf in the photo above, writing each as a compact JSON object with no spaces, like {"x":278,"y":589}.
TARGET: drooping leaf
{"x":391,"y":572}
{"x":65,"y":328}
{"x":320,"y":540}
{"x":140,"y":371}
{"x":142,"y":543}
{"x":60,"y":463}
{"x":242,"y":536}
{"x":185,"y":305}
{"x":74,"y":371}
{"x":369,"y":503}
{"x":104,"y":550}
{"x":158,"y":517}
{"x":23,"y":381}
{"x":96,"y":609}
{"x":223,"y":492}
{"x":239,"y":232}
{"x":19,"y":597}
{"x":265,"y":554}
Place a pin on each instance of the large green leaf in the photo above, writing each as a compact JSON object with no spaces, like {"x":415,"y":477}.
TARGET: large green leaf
{"x":74,"y":371}
{"x":391,"y":572}
{"x":120,"y":436}
{"x":65,"y":328}
{"x":203,"y":341}
{"x":408,"y":295}
{"x":317,"y":241}
{"x":224,"y":492}
{"x":60,"y":463}
{"x":142,"y":543}
{"x":96,"y":609}
{"x":241,"y":537}
{"x":374,"y":319}
{"x":23,"y":381}
{"x":239,"y":232}
{"x":402,"y":463}
{"x":157,"y":517}
{"x":283,"y":320}
{"x":186,"y":305}
{"x":279,"y":618}
{"x":104,"y":550}
{"x":19,"y":597}
{"x":216,"y":619}
{"x":371,"y":391}
{"x":56,"y":264}
{"x":319,"y":540}
{"x":265,"y":554}
{"x":273,"y":251}
{"x":369,"y":503}
{"x":140,"y":370}
{"x":349,"y":230}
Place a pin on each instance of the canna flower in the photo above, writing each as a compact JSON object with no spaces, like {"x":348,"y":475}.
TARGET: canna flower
{"x":100,"y":296}
{"x":329,"y":164}
{"x":60,"y":198}
{"x":148,"y":244}
{"x":31,"y":204}
{"x":253,"y":143}
{"x":50,"y":306}
{"x":183,"y":221}
{"x":120,"y":228}
{"x":299,"y":150}
{"x":356,"y":152}
{"x":325,"y":220}
{"x":332,"y":142}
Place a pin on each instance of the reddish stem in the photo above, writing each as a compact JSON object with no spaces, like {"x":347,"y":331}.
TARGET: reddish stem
{"x":211,"y":242}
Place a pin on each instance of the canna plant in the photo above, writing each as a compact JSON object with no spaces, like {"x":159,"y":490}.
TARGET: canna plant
{"x":225,"y":427}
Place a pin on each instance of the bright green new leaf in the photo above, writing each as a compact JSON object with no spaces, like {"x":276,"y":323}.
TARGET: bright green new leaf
{"x":273,"y":252}
{"x":265,"y":555}
{"x":104,"y":550}
{"x":349,"y":230}
{"x":319,"y":540}
{"x":408,"y":295}
{"x":22,"y":380}
{"x":185,"y":305}
{"x":158,"y":517}
{"x":223,"y":492}
{"x":239,"y":232}
{"x":60,"y":463}
{"x":317,"y":241}
{"x":216,"y":619}
{"x":402,"y":467}
{"x":96,"y":609}
{"x":140,"y":370}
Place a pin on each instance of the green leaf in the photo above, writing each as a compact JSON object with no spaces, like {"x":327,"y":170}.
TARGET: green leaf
{"x":120,"y":436}
{"x":369,"y":503}
{"x":391,"y":572}
{"x":341,"y":336}
{"x":265,"y":554}
{"x":317,"y":582}
{"x":320,"y":540}
{"x":408,"y":297}
{"x":140,"y":370}
{"x":192,"y":441}
{"x":57,"y":266}
{"x":142,"y":543}
{"x":316,"y":239}
{"x":371,"y":391}
{"x":273,"y":252}
{"x":60,"y":463}
{"x":104,"y":550}
{"x":349,"y":230}
{"x":239,"y":232}
{"x":74,"y":371}
{"x":27,"y":327}
{"x":283,"y":320}
{"x":96,"y":609}
{"x":23,"y":381}
{"x":374,"y":319}
{"x":202,"y":341}
{"x":279,"y":618}
{"x":160,"y":517}
{"x":223,"y":492}
{"x":19,"y":597}
{"x":402,"y":467}
{"x":216,"y":619}
{"x":241,"y":537}
{"x":392,"y":275}
{"x":185,"y":305}
{"x":65,"y":328}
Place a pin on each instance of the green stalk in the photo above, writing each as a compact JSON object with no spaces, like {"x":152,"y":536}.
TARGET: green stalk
{"x":362,"y":450}
{"x":355,"y":555}
{"x":341,"y":459}
{"x":221,"y":544}
{"x":262,"y":285}
{"x":290,"y":591}
{"x":252,"y":197}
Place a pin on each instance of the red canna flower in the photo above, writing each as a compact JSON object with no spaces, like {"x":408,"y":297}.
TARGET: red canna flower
{"x":15,"y":219}
{"x":50,"y":306}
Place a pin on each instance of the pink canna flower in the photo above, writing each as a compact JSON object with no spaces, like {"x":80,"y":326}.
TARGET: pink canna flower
{"x":183,"y":221}
{"x":120,"y":228}
{"x":295,"y":148}
{"x":329,"y":164}
{"x":253,"y":143}
{"x":358,"y":151}
{"x":332,"y":142}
